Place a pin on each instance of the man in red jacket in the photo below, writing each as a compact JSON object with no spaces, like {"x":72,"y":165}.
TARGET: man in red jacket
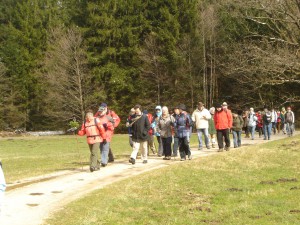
{"x":223,"y":123}
{"x":114,"y":119}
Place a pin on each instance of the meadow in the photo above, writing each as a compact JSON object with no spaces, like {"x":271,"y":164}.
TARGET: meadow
{"x":251,"y":185}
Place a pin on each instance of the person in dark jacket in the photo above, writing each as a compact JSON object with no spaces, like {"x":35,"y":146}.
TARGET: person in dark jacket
{"x":237,"y":126}
{"x":140,"y":127}
{"x":182,"y":125}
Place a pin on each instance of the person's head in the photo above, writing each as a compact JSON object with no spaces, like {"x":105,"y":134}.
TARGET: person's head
{"x":176,"y":110}
{"x":138,"y":109}
{"x":234,"y":115}
{"x":225,"y":106}
{"x":132,"y":111}
{"x":283,"y":109}
{"x":89,"y":116}
{"x":158,"y":110}
{"x":219,"y":107}
{"x":289,"y":109}
{"x":240,"y":112}
{"x":259,"y":112}
{"x":251,"y":110}
{"x":182,"y":108}
{"x":200,"y":106}
{"x":212,"y":110}
{"x":102,"y":110}
{"x":165,"y":110}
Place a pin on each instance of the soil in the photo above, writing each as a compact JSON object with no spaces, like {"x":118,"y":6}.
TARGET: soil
{"x":31,"y":201}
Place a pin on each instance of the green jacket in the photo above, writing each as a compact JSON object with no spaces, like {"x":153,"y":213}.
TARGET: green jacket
{"x":211,"y":126}
{"x":237,"y":123}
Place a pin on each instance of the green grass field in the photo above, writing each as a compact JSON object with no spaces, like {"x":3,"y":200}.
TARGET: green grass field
{"x":252,"y":185}
{"x":24,"y":157}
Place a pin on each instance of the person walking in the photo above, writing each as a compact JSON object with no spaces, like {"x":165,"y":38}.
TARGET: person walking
{"x":252,"y":122}
{"x":128,"y":125}
{"x":115,"y":120}
{"x":175,"y":135}
{"x":290,"y":121}
{"x":274,"y":120}
{"x":283,"y":112}
{"x":237,"y":125}
{"x":182,"y":125}
{"x":200,"y":117}
{"x":259,"y":123}
{"x":246,"y":122}
{"x":211,"y":128}
{"x":267,"y":123}
{"x":154,"y":124}
{"x":109,"y":129}
{"x":140,"y":135}
{"x":151,"y":144}
{"x":165,"y":124}
{"x":223,"y":123}
{"x":95,"y":133}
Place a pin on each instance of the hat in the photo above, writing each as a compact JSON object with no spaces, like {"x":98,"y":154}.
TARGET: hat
{"x":182,"y":107}
{"x":218,"y":105}
{"x":224,"y":104}
{"x":101,"y":109}
{"x":158,"y":107}
{"x":103,"y":104}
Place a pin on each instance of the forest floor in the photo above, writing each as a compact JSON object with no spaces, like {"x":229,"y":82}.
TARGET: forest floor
{"x":31,"y":201}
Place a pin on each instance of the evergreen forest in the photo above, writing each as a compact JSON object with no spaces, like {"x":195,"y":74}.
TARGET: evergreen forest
{"x":59,"y":58}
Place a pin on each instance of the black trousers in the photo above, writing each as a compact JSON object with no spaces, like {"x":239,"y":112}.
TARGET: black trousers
{"x":221,"y":135}
{"x":167,"y":146}
{"x":184,"y":147}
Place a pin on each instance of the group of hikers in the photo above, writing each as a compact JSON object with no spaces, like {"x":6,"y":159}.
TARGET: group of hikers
{"x":214,"y":124}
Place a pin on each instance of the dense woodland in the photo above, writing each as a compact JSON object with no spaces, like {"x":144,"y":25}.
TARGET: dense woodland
{"x":59,"y":58}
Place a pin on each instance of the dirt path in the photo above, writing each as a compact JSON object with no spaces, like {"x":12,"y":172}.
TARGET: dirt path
{"x":32,"y":203}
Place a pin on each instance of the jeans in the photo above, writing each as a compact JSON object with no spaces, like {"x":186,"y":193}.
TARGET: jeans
{"x":274,"y":127}
{"x":175,"y":146}
{"x":205,"y":132}
{"x":237,"y":138}
{"x":252,"y":131}
{"x":267,"y":131}
{"x":289,"y":129}
{"x":104,"y":149}
{"x":184,"y":148}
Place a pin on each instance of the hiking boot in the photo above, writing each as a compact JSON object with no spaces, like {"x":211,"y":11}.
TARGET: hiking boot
{"x":220,"y":150}
{"x":182,"y":159}
{"x":164,"y":158}
{"x":190,"y":157}
{"x":145,"y":161}
{"x":227,"y":148}
{"x":103,"y":164}
{"x":132,"y":161}
{"x":208,"y":147}
{"x":213,"y":146}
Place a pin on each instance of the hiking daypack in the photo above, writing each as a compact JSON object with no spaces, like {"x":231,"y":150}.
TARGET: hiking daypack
{"x":268,"y":117}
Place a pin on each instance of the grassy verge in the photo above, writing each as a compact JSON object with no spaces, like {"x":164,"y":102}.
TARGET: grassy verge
{"x":251,"y":185}
{"x":25,"y":157}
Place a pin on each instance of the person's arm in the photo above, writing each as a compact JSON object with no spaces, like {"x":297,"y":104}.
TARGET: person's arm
{"x":116,"y":118}
{"x":81,"y":132}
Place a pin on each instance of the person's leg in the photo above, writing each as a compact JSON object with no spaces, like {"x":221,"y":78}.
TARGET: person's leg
{"x":206,"y":137}
{"x":220,"y":140}
{"x":175,"y":146}
{"x":234,"y":135}
{"x":144,"y":152}
{"x":199,"y":134}
{"x":164,"y":144}
{"x":181,"y":148}
{"x":135,"y":150}
{"x":94,"y":158}
{"x":168,"y":151}
{"x":213,"y":140}
{"x":269,"y":131}
{"x":160,"y":146}
{"x":130,"y":141}
{"x":265,"y":126}
{"x":253,"y":132}
{"x":239,"y":138}
{"x":111,"y":157}
{"x":104,"y":149}
{"x":151,"y":144}
{"x":227,"y":139}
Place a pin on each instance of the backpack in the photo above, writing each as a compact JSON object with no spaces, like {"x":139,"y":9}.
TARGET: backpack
{"x":268,"y":117}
